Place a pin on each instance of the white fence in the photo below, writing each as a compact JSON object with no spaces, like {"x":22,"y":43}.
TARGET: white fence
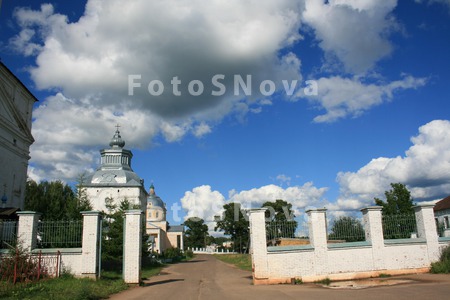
{"x":320,"y":260}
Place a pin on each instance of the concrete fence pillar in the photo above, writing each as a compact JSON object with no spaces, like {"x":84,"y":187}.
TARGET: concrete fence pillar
{"x":27,"y":231}
{"x":90,"y":244}
{"x":426,"y":228}
{"x":258,"y":243}
{"x":373,"y":226}
{"x":317,"y":224}
{"x":132,"y":246}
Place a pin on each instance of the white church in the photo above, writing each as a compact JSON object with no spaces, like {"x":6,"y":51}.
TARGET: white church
{"x":115,"y":181}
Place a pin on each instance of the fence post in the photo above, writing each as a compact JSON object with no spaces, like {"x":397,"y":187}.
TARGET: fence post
{"x":132,"y":246}
{"x":373,"y":227}
{"x":90,"y":243}
{"x":317,"y":224}
{"x":258,"y":243}
{"x":27,"y":231}
{"x":426,"y":228}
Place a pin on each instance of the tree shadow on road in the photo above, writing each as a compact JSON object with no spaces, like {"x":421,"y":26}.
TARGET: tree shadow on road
{"x":161,"y":282}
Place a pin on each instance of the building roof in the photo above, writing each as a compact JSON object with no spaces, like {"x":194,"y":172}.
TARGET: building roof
{"x":115,"y":168}
{"x":19,"y":81}
{"x":176,"y":228}
{"x":442,"y":204}
{"x":153,"y":199}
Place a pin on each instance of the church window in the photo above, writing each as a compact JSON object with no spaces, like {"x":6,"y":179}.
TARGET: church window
{"x":157,"y":215}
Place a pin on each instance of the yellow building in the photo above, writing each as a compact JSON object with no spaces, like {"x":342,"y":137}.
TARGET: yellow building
{"x":162,"y":234}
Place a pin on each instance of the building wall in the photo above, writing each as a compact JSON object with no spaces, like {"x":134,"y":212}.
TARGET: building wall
{"x":97,"y":196}
{"x":16,"y":104}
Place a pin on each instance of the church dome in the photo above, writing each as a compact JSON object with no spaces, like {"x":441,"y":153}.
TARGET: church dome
{"x":117,"y":141}
{"x":153,"y":200}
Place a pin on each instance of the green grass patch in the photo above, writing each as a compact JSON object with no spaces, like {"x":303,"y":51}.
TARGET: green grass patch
{"x":383,"y":275}
{"x":326,"y":281}
{"x":443,"y":265}
{"x":242,"y":261}
{"x":68,"y":287}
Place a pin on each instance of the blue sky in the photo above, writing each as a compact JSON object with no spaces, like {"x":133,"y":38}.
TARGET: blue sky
{"x":380,"y":113}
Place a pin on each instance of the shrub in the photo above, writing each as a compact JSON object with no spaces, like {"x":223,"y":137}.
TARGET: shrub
{"x":443,"y":265}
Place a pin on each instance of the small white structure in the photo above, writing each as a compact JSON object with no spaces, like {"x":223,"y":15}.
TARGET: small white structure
{"x":16,"y":104}
{"x":115,"y":180}
{"x":162,"y":234}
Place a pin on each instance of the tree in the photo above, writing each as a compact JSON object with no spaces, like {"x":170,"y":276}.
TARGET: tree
{"x":398,"y":200}
{"x":281,"y":216}
{"x":112,"y":237}
{"x":398,"y":212}
{"x":347,"y":228}
{"x":54,"y":200}
{"x":196,"y":233}
{"x":234,"y":224}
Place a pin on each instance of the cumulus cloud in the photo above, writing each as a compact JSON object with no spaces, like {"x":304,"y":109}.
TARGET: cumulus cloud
{"x":354,"y":31}
{"x":89,"y":61}
{"x":205,"y":203}
{"x":425,"y":169}
{"x":343,"y":97}
{"x":165,"y":51}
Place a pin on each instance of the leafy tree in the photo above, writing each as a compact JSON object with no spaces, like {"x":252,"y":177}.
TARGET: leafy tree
{"x":54,"y":200}
{"x":398,"y":212}
{"x":234,"y":224}
{"x":281,"y":216}
{"x":398,"y":200}
{"x":347,"y":228}
{"x":196,"y":233}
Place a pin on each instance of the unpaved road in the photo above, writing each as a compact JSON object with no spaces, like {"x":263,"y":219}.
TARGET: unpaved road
{"x":205,"y":277}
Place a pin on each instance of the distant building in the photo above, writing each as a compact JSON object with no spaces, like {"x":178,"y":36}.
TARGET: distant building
{"x":442,"y":215}
{"x":162,"y":234}
{"x":16,"y":105}
{"x":115,"y":180}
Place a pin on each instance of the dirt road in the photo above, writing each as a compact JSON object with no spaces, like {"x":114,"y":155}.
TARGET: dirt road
{"x":205,"y":277}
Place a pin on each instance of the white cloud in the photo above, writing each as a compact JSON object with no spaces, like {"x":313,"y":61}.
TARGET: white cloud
{"x":88,"y":61}
{"x":205,"y":203}
{"x":202,"y":202}
{"x":343,"y":97}
{"x":354,"y":31}
{"x":443,"y":2}
{"x":425,"y":169}
{"x":284,"y":179}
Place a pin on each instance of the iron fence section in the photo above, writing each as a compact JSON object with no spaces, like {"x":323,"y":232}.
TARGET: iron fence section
{"x":400,"y":226}
{"x":277,"y":230}
{"x":8,"y":234}
{"x":60,"y":234}
{"x":347,"y":229}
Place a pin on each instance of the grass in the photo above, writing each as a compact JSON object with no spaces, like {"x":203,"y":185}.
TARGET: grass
{"x":242,"y":261}
{"x":443,"y":265}
{"x":69,"y":287}
{"x":326,"y":281}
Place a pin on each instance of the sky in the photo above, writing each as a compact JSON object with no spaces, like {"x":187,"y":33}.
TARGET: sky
{"x":319,"y":103}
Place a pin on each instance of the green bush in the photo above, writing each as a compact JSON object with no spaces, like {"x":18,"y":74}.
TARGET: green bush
{"x":443,"y":265}
{"x":189,"y":254}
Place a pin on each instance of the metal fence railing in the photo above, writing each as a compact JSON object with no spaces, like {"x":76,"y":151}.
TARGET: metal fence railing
{"x":278,"y":230}
{"x":400,"y":226}
{"x":8,"y":234}
{"x":60,"y":234}
{"x":347,"y":229}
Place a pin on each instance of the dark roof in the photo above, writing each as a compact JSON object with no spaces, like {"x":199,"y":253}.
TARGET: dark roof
{"x":9,"y":213}
{"x":442,"y":204}
{"x":176,"y":228}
